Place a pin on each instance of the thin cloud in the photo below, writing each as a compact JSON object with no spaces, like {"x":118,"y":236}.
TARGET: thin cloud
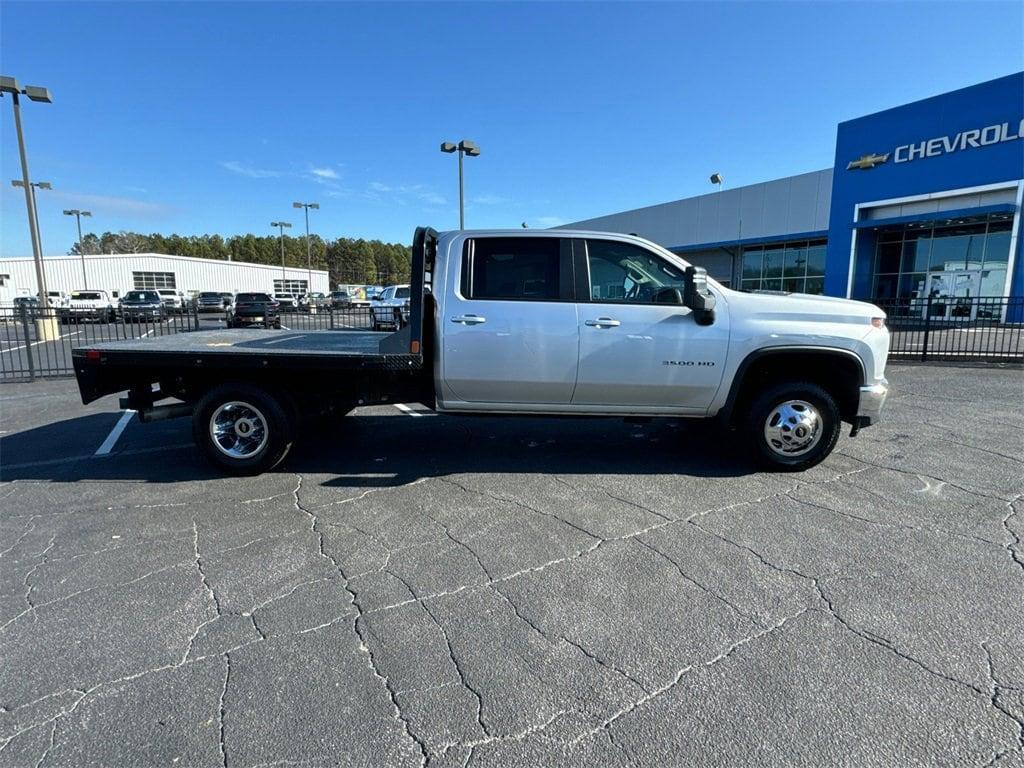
{"x":546,"y":222}
{"x":250,"y":171}
{"x":488,"y":199}
{"x":324,"y":173}
{"x":404,"y":193}
{"x":115,"y":206}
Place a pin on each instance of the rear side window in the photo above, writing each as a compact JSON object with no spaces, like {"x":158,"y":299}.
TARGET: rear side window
{"x":402,"y":293}
{"x":516,"y":269}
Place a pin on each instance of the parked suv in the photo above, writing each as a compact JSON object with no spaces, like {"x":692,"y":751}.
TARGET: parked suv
{"x":89,"y":305}
{"x":253,"y":309}
{"x":173,"y":301}
{"x":391,"y":308}
{"x":56,"y":299}
{"x":288,"y":302}
{"x":141,"y":305}
{"x":211,"y":301}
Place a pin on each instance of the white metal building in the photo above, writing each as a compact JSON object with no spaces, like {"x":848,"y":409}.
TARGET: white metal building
{"x":118,"y":273}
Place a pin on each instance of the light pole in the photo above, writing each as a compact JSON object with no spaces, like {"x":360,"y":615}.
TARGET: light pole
{"x":81,"y":248}
{"x":309,"y":258}
{"x":281,"y":225}
{"x":35,"y":206}
{"x":34,"y":93}
{"x":464,"y":147}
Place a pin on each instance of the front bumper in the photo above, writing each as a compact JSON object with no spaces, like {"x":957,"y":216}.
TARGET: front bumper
{"x":872,"y":400}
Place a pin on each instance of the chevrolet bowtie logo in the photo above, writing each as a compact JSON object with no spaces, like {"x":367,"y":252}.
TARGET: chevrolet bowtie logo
{"x":867,"y":162}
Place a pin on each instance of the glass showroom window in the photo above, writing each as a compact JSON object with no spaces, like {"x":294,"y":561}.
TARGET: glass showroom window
{"x":151,"y":281}
{"x":905,"y":258}
{"x":797,"y":267}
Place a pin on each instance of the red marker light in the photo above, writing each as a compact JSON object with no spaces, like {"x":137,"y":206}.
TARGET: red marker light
{"x":92,"y":354}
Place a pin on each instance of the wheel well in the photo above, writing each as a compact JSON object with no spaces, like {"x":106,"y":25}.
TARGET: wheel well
{"x":840,"y":374}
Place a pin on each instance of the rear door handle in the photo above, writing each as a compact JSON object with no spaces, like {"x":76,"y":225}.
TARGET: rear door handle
{"x":603,"y":322}
{"x":469,"y":319}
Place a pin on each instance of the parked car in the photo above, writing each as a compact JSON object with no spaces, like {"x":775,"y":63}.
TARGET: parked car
{"x":142,"y":305}
{"x":372,"y":292}
{"x":288,"y":302}
{"x":340,"y":300}
{"x":391,"y":308}
{"x":317,"y":299}
{"x":27,"y":306}
{"x":174,"y":301}
{"x":531,"y":322}
{"x":56,"y":299}
{"x":253,"y":309}
{"x":211,"y":301}
{"x":89,"y":305}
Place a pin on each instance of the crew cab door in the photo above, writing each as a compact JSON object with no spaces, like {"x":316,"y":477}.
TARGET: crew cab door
{"x":509,"y":331}
{"x":639,"y":346}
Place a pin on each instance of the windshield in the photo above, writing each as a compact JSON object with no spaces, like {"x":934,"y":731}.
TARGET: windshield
{"x":167,"y":292}
{"x":244,"y":297}
{"x":209,"y":295}
{"x":141,"y":296}
{"x":401,"y":293}
{"x":85,"y":295}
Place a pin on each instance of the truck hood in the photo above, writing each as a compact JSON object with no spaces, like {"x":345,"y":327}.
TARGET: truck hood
{"x":803,"y":306}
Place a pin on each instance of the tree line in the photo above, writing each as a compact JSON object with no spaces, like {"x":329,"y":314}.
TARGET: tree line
{"x":346,"y":259}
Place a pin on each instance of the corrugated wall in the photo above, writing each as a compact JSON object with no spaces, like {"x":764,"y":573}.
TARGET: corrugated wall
{"x":114,"y":273}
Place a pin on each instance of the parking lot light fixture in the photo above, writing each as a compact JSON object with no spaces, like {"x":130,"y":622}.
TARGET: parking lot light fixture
{"x":10,"y":85}
{"x":281,"y":226}
{"x":35,"y":207}
{"x":464,"y":147}
{"x":81,"y":247}
{"x":309,"y":258}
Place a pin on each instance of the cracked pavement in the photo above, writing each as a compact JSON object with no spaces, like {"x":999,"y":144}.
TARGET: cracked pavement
{"x":473,"y":591}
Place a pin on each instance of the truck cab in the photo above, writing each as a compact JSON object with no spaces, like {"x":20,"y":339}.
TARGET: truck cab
{"x":554,"y":322}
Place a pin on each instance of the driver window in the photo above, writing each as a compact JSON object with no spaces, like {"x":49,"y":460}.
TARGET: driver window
{"x":622,"y":272}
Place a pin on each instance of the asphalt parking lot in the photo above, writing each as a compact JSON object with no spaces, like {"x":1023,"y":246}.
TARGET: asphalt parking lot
{"x":412,"y":588}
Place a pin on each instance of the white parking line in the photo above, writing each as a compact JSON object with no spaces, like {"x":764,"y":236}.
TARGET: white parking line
{"x":408,"y":411}
{"x":146,"y":334}
{"x":285,"y":328}
{"x":111,"y":441}
{"x":41,"y":341}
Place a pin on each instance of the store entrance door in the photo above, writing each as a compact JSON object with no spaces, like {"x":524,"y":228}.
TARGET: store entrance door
{"x":953,"y":295}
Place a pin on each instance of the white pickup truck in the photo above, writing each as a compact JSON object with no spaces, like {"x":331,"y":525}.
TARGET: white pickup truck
{"x":551,"y":322}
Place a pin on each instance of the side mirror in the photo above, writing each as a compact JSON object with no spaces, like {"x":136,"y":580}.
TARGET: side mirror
{"x":698,"y":297}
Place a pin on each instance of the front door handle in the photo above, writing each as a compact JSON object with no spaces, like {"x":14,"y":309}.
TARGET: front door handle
{"x":469,"y":319}
{"x":603,"y":322}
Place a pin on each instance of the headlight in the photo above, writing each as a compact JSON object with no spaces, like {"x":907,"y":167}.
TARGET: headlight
{"x":878,"y":322}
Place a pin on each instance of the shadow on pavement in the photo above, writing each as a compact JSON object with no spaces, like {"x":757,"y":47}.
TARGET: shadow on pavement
{"x":378,"y":451}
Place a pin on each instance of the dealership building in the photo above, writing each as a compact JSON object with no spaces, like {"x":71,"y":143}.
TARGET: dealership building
{"x":119,"y":273}
{"x":924,"y":200}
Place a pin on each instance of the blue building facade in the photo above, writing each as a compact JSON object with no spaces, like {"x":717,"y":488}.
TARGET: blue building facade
{"x":926,"y":198}
{"x":923,"y":203}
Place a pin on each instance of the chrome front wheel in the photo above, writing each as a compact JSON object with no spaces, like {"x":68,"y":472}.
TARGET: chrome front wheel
{"x":238,"y":429}
{"x":793,"y":428}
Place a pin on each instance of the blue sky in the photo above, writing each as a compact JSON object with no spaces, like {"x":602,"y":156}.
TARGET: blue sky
{"x":207,"y":117}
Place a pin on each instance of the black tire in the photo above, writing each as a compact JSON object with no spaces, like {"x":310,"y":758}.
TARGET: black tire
{"x":260,"y":409}
{"x":809,"y":404}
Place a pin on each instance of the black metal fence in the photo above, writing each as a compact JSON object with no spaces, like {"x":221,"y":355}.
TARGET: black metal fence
{"x":37,"y":343}
{"x":927,"y":329}
{"x":944,"y":329}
